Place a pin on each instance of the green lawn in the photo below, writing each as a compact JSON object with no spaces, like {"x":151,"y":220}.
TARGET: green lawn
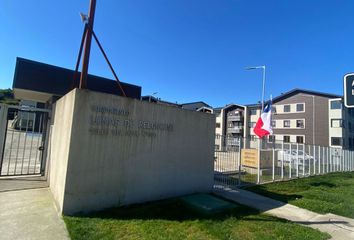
{"x":331,"y":193}
{"x":169,"y":219}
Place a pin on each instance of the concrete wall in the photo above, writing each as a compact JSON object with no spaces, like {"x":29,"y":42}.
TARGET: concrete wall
{"x":111,"y":151}
{"x":59,"y":146}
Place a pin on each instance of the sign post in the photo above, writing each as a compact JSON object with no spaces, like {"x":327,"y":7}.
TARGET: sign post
{"x":349,"y":90}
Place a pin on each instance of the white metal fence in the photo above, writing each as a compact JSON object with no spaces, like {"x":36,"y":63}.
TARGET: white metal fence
{"x":236,"y":161}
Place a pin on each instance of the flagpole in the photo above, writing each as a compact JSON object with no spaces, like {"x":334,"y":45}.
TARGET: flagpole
{"x":261,"y":139}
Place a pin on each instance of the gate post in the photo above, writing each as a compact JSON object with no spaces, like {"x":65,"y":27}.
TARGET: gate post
{"x":3,"y":128}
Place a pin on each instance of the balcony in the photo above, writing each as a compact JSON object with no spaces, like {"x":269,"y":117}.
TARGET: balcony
{"x":235,"y":129}
{"x":235,"y":118}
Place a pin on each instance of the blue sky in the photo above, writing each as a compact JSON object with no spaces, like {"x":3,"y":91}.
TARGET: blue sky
{"x":191,"y":50}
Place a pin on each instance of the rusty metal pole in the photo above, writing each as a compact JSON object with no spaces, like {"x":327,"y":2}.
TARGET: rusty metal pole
{"x":87,"y":48}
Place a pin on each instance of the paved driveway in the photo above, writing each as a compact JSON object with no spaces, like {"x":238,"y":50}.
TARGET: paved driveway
{"x":29,"y":213}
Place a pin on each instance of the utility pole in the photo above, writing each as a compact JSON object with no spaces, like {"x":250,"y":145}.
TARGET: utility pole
{"x":87,"y":46}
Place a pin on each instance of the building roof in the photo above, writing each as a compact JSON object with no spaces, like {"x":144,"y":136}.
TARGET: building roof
{"x":37,"y":79}
{"x":150,"y":98}
{"x":294,"y":92}
{"x":195,"y":105}
{"x":310,"y":92}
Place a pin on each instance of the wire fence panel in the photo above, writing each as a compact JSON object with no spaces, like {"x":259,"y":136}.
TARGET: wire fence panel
{"x":242,"y":161}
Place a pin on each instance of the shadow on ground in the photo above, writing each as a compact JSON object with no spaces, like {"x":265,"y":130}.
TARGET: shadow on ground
{"x":8,"y":184}
{"x":285,"y":198}
{"x":173,"y":210}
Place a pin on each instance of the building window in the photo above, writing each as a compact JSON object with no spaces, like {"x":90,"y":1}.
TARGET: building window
{"x":251,"y":124}
{"x":336,"y":104}
{"x":350,"y":143}
{"x":299,"y":107}
{"x":286,"y":139}
{"x":286,"y":108}
{"x":336,"y":141}
{"x":253,"y":112}
{"x":336,"y":123}
{"x":286,"y":123}
{"x":217,"y":125}
{"x":217,"y":147}
{"x":274,"y":110}
{"x":271,"y":138}
{"x":350,"y":126}
{"x":273,"y":123}
{"x":300,"y":124}
{"x":299,"y":139}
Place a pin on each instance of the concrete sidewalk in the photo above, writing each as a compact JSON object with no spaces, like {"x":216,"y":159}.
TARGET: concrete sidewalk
{"x":30,"y":214}
{"x":338,"y":227}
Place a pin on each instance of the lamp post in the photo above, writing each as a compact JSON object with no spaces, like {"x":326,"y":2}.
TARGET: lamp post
{"x":259,"y":141}
{"x":152,"y":95}
{"x":263,"y":80}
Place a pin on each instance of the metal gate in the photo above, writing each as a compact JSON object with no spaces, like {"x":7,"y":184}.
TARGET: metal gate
{"x":23,"y":139}
{"x":227,"y":162}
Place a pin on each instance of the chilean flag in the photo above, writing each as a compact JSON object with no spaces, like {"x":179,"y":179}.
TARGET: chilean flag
{"x":263,"y":126}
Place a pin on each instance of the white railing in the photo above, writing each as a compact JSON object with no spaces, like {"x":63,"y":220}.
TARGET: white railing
{"x":237,"y":163}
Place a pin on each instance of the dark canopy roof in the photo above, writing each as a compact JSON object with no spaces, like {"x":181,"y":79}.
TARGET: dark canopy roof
{"x":57,"y":81}
{"x":195,"y":105}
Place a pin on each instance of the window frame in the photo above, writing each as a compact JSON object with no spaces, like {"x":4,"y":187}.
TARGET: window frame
{"x":303,"y":123}
{"x":337,"y":138}
{"x":287,"y":105}
{"x":303,"y":107}
{"x":297,"y":139}
{"x":340,"y":122}
{"x":271,"y":138}
{"x":286,"y":136}
{"x":253,"y":112}
{"x":284,"y":121}
{"x":336,"y":101}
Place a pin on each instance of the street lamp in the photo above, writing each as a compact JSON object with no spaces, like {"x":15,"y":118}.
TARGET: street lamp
{"x":259,"y":141}
{"x":155,"y":93}
{"x":263,"y":82}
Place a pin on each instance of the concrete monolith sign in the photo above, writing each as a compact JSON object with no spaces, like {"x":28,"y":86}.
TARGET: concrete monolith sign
{"x":110,"y":151}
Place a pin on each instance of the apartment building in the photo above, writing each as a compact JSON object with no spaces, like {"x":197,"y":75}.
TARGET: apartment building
{"x":230,"y":121}
{"x":341,"y":125}
{"x":299,"y":116}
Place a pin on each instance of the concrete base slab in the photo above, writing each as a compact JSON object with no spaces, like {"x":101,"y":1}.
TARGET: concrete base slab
{"x":30,"y":214}
{"x":337,"y":226}
{"x":22,"y":182}
{"x":207,"y":204}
